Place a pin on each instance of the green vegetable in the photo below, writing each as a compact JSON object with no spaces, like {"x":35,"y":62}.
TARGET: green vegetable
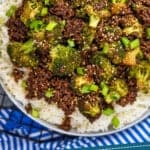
{"x":21,"y":55}
{"x":120,"y":86}
{"x":94,"y":88}
{"x":119,"y":1}
{"x":108,"y":69}
{"x":94,"y":20}
{"x":105,"y":48}
{"x":125,"y":42}
{"x":44,"y":11}
{"x":112,"y":96}
{"x":71,"y":43}
{"x":30,"y":10}
{"x":49,"y":93}
{"x":64,"y":60}
{"x":46,"y":2}
{"x":90,"y":107}
{"x":108,"y":111}
{"x":132,"y":26}
{"x":93,"y":110}
{"x":142,"y":73}
{"x":79,"y":81}
{"x":89,"y":88}
{"x":131,"y":57}
{"x":85,"y":89}
{"x":148,"y":32}
{"x":80,"y":71}
{"x":35,"y":113}
{"x":114,"y":51}
{"x":51,"y":26}
{"x":135,"y":44}
{"x":36,"y":25}
{"x":24,"y":84}
{"x":28,"y":47}
{"x":115,"y":122}
{"x":11,"y":11}
{"x":104,"y":88}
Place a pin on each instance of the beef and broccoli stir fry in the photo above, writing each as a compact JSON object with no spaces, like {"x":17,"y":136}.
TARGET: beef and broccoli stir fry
{"x":85,"y":54}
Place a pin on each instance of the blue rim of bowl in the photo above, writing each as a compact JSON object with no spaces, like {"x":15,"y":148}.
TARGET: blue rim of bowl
{"x":70,"y":133}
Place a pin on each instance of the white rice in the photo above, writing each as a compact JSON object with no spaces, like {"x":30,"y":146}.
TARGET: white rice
{"x":51,"y":113}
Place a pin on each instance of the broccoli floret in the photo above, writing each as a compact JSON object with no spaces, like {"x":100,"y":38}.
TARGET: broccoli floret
{"x":131,"y":57}
{"x":64,"y":60}
{"x":120,"y":86}
{"x":118,"y":6}
{"x":108,"y":69}
{"x":90,"y":107}
{"x":142,"y":73}
{"x":22,"y":55}
{"x":30,"y":9}
{"x":78,"y":81}
{"x":132,"y":26}
{"x":89,"y":35}
{"x":114,"y":51}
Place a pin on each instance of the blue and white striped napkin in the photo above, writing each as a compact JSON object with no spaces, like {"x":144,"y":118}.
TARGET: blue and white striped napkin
{"x":16,"y":122}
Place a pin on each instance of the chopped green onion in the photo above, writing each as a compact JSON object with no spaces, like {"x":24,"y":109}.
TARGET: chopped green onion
{"x":46,"y":2}
{"x":28,"y":47}
{"x":49,"y":93}
{"x":44,"y":11}
{"x":114,"y":95}
{"x":148,"y":32}
{"x":115,"y":122}
{"x":85,"y":89}
{"x":71,"y":43}
{"x":94,"y":88}
{"x":105,"y":48}
{"x":24,"y":84}
{"x":125,"y":41}
{"x":89,"y":88}
{"x":135,"y":44}
{"x":118,"y":1}
{"x":51,"y":26}
{"x":11,"y":11}
{"x":36,"y":25}
{"x":108,"y":111}
{"x":35,"y":113}
{"x":104,"y":88}
{"x":80,"y":71}
{"x":94,"y":20}
{"x":63,"y":23}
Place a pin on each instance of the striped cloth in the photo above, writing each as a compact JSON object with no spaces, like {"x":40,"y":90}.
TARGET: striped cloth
{"x":16,"y":122}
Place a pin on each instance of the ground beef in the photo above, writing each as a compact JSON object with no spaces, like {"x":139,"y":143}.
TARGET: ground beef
{"x":73,"y":30}
{"x":66,"y":125}
{"x":63,"y":95}
{"x":108,"y":33}
{"x":100,"y":5}
{"x":143,"y":2}
{"x":28,"y":108}
{"x":94,"y":72}
{"x":17,"y":30}
{"x":92,"y":100}
{"x":143,"y":15}
{"x":43,"y":56}
{"x":145,"y":47}
{"x":122,"y":71}
{"x":38,"y":82}
{"x":132,"y":94}
{"x":62,"y":10}
{"x":17,"y":74}
{"x":86,"y":55}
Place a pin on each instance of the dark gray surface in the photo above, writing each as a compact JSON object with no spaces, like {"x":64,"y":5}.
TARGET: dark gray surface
{"x":4,"y":100}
